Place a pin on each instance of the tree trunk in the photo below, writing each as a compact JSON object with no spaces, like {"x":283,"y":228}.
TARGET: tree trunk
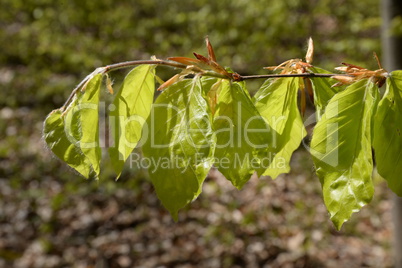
{"x":392,"y":55}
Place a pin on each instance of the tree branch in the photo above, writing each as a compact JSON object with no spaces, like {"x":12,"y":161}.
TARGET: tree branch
{"x":126,"y":64}
{"x":266,"y":76}
{"x":121,"y":65}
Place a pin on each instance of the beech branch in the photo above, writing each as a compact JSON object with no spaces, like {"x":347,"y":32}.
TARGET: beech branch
{"x":266,"y":76}
{"x":126,"y":64}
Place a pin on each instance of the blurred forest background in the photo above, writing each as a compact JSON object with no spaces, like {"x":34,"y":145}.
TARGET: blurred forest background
{"x":51,"y":217}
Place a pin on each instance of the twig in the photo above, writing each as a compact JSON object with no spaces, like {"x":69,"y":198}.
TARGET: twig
{"x":121,"y":65}
{"x":126,"y":64}
{"x":117,"y":66}
{"x":265,"y":76}
{"x":75,"y":90}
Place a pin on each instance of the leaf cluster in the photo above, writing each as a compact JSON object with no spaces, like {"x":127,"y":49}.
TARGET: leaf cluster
{"x":205,"y":117}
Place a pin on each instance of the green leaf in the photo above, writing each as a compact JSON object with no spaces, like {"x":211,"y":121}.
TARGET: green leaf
{"x":341,"y":150}
{"x":211,"y":87}
{"x":243,"y":137}
{"x":180,"y":144}
{"x":87,"y":110}
{"x":74,"y":136}
{"x":276,"y":101}
{"x":60,"y":144}
{"x":207,"y":83}
{"x":132,"y":106}
{"x":387,"y":140}
{"x":322,"y":90}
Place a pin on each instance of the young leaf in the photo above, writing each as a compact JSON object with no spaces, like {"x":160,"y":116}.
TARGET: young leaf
{"x":341,"y":150}
{"x":87,"y":110}
{"x":132,"y":106}
{"x":74,"y":136}
{"x":180,"y":144}
{"x":211,"y":88}
{"x":276,"y":101}
{"x":243,"y":137}
{"x":323,"y":92}
{"x":60,"y":144}
{"x":387,"y":140}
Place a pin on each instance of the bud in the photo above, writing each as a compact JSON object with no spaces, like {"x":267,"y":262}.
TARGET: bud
{"x":211,"y":53}
{"x":343,"y":80}
{"x":310,"y":51}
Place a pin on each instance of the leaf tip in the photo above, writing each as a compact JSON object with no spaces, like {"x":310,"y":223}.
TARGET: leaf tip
{"x":238,"y":184}
{"x":338,"y":223}
{"x":175,"y":215}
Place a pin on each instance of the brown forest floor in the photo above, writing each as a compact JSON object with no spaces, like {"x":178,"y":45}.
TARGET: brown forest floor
{"x":50,"y":217}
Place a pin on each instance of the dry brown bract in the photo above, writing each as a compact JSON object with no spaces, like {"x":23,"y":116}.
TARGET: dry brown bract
{"x":199,"y":65}
{"x":357,"y":73}
{"x":298,"y":66}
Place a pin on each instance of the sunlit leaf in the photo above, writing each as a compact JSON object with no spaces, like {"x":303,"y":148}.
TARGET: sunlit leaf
{"x":180,"y":144}
{"x":211,"y":87}
{"x":276,"y":101}
{"x":58,"y":141}
{"x":243,"y":137}
{"x":130,"y":110}
{"x":387,"y":140}
{"x":74,"y":136}
{"x":87,"y":112}
{"x":341,"y":150}
{"x":323,"y":91}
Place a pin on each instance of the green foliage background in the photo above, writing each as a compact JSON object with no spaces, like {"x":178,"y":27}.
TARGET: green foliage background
{"x":48,"y":46}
